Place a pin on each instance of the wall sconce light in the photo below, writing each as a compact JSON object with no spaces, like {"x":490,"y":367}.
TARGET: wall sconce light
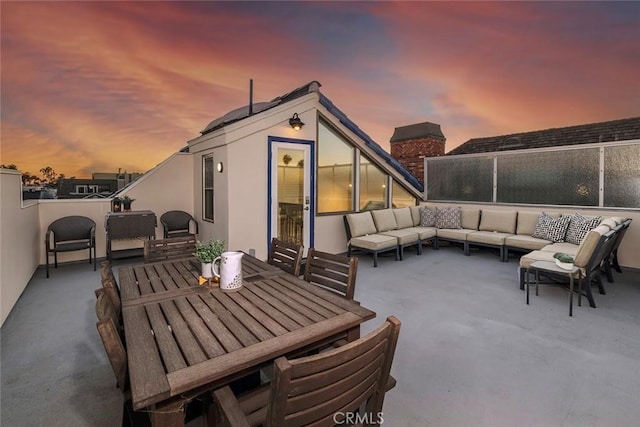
{"x":220,"y":167}
{"x":295,"y":122}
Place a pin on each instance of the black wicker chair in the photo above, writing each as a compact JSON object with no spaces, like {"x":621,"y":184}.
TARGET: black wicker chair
{"x":71,"y":233}
{"x":177,"y":224}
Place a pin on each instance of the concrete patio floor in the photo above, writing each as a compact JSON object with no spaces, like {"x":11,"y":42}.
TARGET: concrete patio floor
{"x":471,"y":353}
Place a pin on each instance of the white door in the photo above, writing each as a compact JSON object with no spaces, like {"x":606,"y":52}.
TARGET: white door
{"x":291,"y":201}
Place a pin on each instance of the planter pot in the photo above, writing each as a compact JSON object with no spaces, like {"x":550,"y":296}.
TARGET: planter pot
{"x":206,"y":270}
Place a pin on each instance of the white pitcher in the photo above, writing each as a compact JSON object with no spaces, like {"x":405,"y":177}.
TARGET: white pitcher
{"x":230,"y":273}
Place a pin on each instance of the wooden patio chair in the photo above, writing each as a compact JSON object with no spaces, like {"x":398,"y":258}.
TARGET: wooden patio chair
{"x":70,"y":233}
{"x":178,"y":224}
{"x":286,"y":256}
{"x":334,"y":272}
{"x":110,"y":285}
{"x":320,"y":389}
{"x":169,"y":249}
{"x":106,"y":309}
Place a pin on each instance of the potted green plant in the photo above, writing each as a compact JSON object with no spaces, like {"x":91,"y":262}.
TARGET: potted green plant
{"x":126,"y":202}
{"x":207,"y":252}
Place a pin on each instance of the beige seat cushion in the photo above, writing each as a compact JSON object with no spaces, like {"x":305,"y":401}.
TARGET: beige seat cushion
{"x":500,"y":221}
{"x":452,"y":233}
{"x":487,"y":237}
{"x":361,"y":224}
{"x":610,"y":222}
{"x":403,"y":217}
{"x":564,"y":247}
{"x":526,"y":242}
{"x":404,"y":237}
{"x":384,"y":219}
{"x":423,"y":232}
{"x":374,"y":242}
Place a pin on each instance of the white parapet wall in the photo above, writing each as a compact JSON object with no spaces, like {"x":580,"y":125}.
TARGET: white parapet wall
{"x":19,"y":240}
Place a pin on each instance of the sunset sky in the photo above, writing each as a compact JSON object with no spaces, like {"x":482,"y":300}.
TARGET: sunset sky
{"x":97,"y":86}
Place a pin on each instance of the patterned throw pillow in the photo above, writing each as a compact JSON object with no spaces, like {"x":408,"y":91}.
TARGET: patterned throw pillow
{"x":579,"y":226}
{"x":448,"y":218}
{"x":427,"y":217}
{"x":550,"y":228}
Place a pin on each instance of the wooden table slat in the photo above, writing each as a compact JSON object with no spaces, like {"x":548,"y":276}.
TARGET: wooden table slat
{"x":259,"y":311}
{"x":306,"y":306}
{"x":208,"y":343}
{"x":215,"y":325}
{"x":258,"y":330}
{"x":188,"y":344}
{"x":150,"y":380}
{"x":281,"y":305}
{"x":169,"y":350}
{"x":239,"y":331}
{"x":131,"y":291}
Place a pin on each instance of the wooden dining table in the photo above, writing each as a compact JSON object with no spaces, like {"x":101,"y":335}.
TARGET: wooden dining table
{"x":184,"y":339}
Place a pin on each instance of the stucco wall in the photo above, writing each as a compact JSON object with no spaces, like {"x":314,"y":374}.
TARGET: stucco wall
{"x":629,"y":251}
{"x":19,"y":240}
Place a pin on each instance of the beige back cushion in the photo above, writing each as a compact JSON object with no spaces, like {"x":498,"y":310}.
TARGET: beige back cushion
{"x":588,"y":245}
{"x":384,"y":219}
{"x":527,"y":221}
{"x":609,"y":222}
{"x":469,"y":218}
{"x":415,"y":215}
{"x":403,"y":217}
{"x":361,"y":224}
{"x":500,"y":221}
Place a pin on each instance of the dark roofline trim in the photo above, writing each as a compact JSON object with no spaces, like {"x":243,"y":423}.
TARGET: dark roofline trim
{"x":326,"y":102}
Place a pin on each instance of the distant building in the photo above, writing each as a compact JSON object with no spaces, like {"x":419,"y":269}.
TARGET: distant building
{"x":593,"y":133}
{"x":74,"y":188}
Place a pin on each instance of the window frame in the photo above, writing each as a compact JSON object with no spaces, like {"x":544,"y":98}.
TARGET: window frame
{"x":205,"y":188}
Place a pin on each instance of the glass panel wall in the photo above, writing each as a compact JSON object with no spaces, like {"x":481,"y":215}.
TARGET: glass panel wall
{"x":335,"y":172}
{"x":401,"y":197}
{"x":465,"y":179}
{"x":622,"y":176}
{"x":373,"y":186}
{"x":552,"y":177}
{"x":605,"y":175}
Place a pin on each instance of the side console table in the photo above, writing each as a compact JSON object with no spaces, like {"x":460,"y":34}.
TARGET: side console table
{"x":129,"y":225}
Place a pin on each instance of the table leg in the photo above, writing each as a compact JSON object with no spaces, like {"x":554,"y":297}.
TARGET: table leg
{"x":537,"y":281}
{"x":526,"y":283}
{"x":353,"y":333}
{"x":168,"y":414}
{"x":571,"y":295}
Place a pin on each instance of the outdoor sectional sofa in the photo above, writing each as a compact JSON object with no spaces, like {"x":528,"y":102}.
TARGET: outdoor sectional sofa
{"x":508,"y":231}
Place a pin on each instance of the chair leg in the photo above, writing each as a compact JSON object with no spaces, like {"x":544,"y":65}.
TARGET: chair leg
{"x":375,"y":258}
{"x":401,"y":252}
{"x":522,"y":273}
{"x":55,"y":259}
{"x":466,"y":249}
{"x":47,"y":256}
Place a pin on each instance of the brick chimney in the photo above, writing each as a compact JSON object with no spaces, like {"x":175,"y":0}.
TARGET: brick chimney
{"x":411,"y":144}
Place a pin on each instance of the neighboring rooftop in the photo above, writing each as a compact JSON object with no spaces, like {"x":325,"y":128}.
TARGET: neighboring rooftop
{"x":615,"y":130}
{"x":415,"y":131}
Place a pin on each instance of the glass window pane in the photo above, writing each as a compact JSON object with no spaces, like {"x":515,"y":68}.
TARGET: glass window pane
{"x":335,"y":172}
{"x":553,"y":177}
{"x":460,"y":179}
{"x":207,"y":186}
{"x":373,"y":186}
{"x":402,"y":197}
{"x":622,"y":176}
